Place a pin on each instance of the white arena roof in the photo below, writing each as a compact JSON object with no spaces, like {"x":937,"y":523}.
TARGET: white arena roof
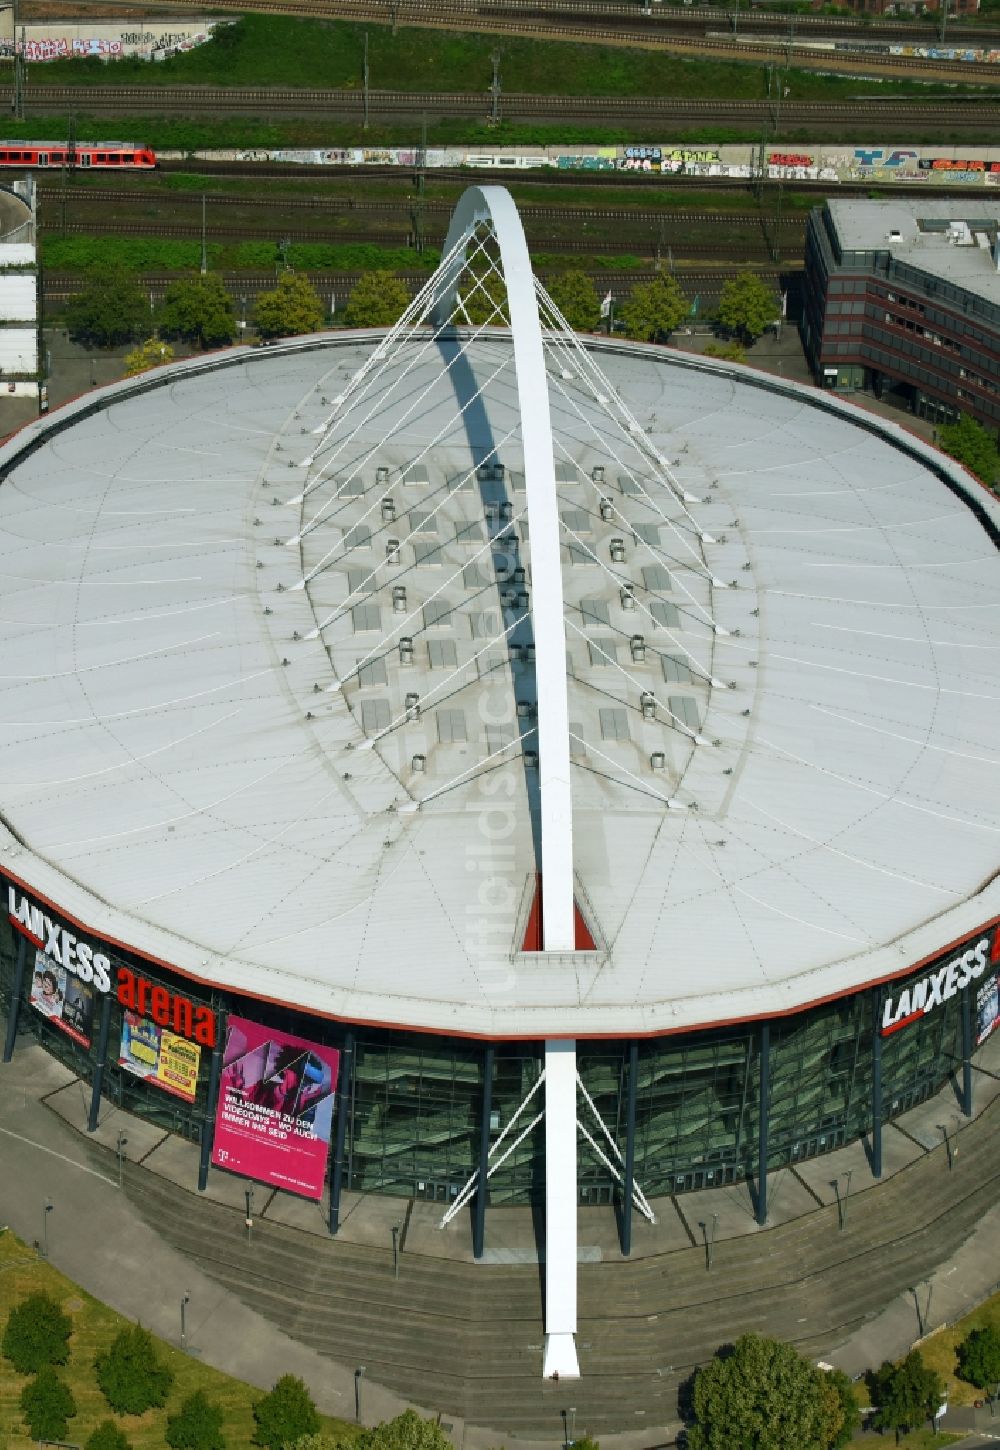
{"x":786,"y":789}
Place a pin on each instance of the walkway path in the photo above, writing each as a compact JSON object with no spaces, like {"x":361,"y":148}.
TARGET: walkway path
{"x":466,"y":1339}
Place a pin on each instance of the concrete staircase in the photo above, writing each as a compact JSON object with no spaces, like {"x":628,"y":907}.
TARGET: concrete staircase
{"x":466,"y":1339}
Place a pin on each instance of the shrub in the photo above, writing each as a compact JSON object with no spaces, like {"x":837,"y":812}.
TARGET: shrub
{"x":108,"y":1436}
{"x":37,"y":1334}
{"x":286,"y":1414}
{"x":48,"y":1405}
{"x":129,"y":1374}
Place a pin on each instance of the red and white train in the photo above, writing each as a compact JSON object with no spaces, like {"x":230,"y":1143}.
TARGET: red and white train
{"x":87,"y":155}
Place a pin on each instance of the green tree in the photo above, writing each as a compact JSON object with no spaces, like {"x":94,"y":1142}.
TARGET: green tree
{"x":408,"y":1431}
{"x":979,"y":1357}
{"x":110,"y":309}
{"x":129,"y":1374}
{"x":904,"y":1394}
{"x":149,"y":354}
{"x":294,"y":307}
{"x":747,"y":306}
{"x":378,"y":300}
{"x":37,"y":1334}
{"x":576,"y":297}
{"x":760,"y":1394}
{"x":108,"y":1436}
{"x":726,"y":351}
{"x":841,"y":1413}
{"x":198,"y":310}
{"x":285,"y":1415}
{"x":47,"y":1405}
{"x":971,"y":444}
{"x":197,"y":1425}
{"x":654,"y":309}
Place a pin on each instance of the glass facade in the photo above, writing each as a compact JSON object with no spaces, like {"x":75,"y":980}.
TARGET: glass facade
{"x":414,"y":1118}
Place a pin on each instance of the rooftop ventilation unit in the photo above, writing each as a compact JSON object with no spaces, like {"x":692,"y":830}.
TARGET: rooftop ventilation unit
{"x":637,"y":644}
{"x":419,"y":764}
{"x":381,"y":475}
{"x":648,"y":704}
{"x":392,"y":551}
{"x":597,"y":473}
{"x":627,"y":598}
{"x":412,"y":705}
{"x":406,"y":650}
{"x":388,"y":510}
{"x":399,"y":599}
{"x":617,"y":551}
{"x":607,"y":510}
{"x":657,"y":761}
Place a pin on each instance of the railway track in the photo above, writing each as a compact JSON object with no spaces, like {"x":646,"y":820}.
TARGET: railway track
{"x":748,"y":249}
{"x":666,"y":110}
{"x":244,"y":287}
{"x":662,"y":17}
{"x":579,"y":215}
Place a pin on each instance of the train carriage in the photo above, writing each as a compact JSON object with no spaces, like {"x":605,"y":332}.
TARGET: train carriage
{"x":87,"y":155}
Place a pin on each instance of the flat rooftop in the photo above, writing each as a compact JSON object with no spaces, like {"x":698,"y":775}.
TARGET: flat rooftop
{"x":284,"y":740}
{"x":920,"y":232}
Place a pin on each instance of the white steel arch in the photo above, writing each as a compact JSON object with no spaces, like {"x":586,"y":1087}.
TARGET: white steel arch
{"x":493,"y":207}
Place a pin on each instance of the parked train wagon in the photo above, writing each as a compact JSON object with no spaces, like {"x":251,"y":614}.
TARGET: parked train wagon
{"x":87,"y":155}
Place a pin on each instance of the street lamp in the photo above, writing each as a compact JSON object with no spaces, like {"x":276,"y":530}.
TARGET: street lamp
{"x":243,"y":313}
{"x":709,"y":1240}
{"x":943,"y":1128}
{"x":248,"y":1195}
{"x":359,"y":1375}
{"x":842,"y":1199}
{"x":396,"y":1230}
{"x":49,"y":1206}
{"x":185,"y":1301}
{"x":120,"y":1150}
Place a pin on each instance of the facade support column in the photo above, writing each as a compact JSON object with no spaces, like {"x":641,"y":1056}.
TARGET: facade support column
{"x":633,"y":1072}
{"x":763,"y":1110}
{"x":967,"y":1047}
{"x":560,"y":1210}
{"x":482,"y":1191}
{"x":103,"y":1032}
{"x":16,"y":992}
{"x":208,"y":1117}
{"x":877,"y":1088}
{"x":343,"y":1111}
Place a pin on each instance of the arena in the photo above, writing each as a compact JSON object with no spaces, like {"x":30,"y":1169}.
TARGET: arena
{"x":297,"y":792}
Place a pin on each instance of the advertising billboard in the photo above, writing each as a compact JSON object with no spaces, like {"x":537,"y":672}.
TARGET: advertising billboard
{"x":987,"y":1008}
{"x":275,"y":1107}
{"x":67,"y":1002}
{"x":158,"y":1056}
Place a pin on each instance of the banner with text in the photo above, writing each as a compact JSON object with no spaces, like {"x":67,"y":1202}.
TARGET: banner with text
{"x":67,"y":1002}
{"x":275,"y":1107}
{"x":161,"y":1057}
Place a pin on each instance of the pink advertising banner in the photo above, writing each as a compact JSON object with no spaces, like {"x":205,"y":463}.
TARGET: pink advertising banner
{"x":275,"y":1109}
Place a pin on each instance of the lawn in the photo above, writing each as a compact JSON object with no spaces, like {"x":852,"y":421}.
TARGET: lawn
{"x":939,"y":1350}
{"x":94,"y":1326}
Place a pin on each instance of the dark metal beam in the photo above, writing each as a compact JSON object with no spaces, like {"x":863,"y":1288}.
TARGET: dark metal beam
{"x":483,"y":1187}
{"x":633,"y":1074}
{"x":99,"y":1066}
{"x":208,"y":1117}
{"x":967,"y":1049}
{"x":764,"y":1106}
{"x":343,"y":1109}
{"x":16,"y":991}
{"x":877,"y":1088}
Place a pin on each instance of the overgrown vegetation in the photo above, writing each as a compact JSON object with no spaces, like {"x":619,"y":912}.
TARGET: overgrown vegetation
{"x":261,"y":50}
